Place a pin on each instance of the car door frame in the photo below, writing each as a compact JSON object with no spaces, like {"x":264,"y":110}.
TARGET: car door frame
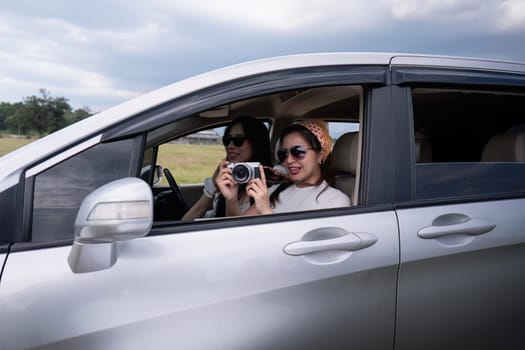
{"x":414,"y":306}
{"x":376,"y":184}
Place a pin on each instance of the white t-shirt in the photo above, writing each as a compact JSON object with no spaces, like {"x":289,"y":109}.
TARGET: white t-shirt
{"x":308,"y":198}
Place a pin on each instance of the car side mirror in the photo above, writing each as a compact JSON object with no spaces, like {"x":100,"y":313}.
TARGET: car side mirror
{"x":118,"y":211}
{"x":145,"y":174}
{"x":157,"y":174}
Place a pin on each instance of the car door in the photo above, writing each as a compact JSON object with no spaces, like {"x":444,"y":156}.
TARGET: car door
{"x":462,"y":290}
{"x":228,"y":288}
{"x":461,"y":234}
{"x":319,"y":279}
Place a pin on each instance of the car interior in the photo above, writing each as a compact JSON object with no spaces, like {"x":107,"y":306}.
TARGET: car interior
{"x":458,"y":125}
{"x":465,"y":125}
{"x":341,"y":106}
{"x":464,"y":135}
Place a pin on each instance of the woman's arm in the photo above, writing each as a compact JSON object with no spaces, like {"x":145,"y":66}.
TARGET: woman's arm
{"x":232,"y":207}
{"x":205,"y":202}
{"x":199,"y":208}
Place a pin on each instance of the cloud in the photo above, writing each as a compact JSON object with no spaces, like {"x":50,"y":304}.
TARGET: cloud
{"x":512,"y":15}
{"x":67,"y":59}
{"x":271,"y":15}
{"x":437,"y":10}
{"x":32,"y":74}
{"x":283,"y":16}
{"x":491,"y":16}
{"x":312,"y":16}
{"x":110,"y":52}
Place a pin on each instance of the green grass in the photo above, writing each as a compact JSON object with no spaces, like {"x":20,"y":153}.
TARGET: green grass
{"x":8,"y":144}
{"x":188,"y":163}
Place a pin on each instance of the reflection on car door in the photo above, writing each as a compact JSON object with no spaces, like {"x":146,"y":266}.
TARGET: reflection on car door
{"x":227,"y":288}
{"x":462,"y":290}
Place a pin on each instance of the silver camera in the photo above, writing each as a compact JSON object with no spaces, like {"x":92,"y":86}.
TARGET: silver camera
{"x":244,"y":172}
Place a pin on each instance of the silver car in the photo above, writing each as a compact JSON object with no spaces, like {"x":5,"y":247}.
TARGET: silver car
{"x":430,"y":255}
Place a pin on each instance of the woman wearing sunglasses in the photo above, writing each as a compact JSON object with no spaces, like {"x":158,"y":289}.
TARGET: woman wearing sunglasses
{"x":245,"y":139}
{"x":304,"y":152}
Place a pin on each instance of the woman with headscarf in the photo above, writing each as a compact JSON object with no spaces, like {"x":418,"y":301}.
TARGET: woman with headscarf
{"x":305,"y":154}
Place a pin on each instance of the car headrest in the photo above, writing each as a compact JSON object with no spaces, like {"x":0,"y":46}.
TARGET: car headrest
{"x":344,"y":153}
{"x":508,"y":147}
{"x":423,"y":148}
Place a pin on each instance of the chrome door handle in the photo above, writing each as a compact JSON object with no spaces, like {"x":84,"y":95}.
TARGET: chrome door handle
{"x":348,"y":242}
{"x":469,"y":227}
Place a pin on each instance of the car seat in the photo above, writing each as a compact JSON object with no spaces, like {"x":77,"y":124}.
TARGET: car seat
{"x":344,"y":162}
{"x":423,"y":148}
{"x":509,"y":147}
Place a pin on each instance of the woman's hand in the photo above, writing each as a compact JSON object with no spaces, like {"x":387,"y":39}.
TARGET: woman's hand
{"x":258,"y":190}
{"x":228,"y":187}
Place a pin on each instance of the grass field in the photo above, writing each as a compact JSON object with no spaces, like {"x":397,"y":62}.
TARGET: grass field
{"x":8,"y":144}
{"x":188,"y":163}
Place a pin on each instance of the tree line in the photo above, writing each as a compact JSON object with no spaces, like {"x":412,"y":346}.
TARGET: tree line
{"x":39,"y":115}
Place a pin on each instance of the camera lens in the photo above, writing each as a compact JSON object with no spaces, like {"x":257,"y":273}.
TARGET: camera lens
{"x":241,"y":173}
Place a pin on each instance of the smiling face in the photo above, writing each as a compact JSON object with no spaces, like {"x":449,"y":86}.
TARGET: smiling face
{"x":242,"y":153}
{"x":302,"y":171}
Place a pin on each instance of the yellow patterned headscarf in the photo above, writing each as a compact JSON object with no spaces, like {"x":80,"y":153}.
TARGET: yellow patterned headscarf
{"x":320,"y":129}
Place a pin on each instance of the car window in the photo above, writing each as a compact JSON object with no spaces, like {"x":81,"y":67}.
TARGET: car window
{"x":191,"y":151}
{"x":191,"y":158}
{"x":338,"y":128}
{"x":468,"y":142}
{"x":58,"y":191}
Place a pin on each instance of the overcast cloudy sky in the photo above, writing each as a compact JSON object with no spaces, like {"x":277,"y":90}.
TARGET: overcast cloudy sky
{"x":100,"y":53}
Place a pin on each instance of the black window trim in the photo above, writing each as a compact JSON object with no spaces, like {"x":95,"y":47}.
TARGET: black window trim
{"x":409,"y":78}
{"x":176,"y":227}
{"x":244,"y":88}
{"x":408,"y":75}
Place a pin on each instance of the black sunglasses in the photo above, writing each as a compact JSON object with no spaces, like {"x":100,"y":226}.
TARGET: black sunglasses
{"x":298,"y":152}
{"x":238,"y":141}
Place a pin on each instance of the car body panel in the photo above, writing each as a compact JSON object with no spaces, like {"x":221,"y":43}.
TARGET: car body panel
{"x":232,"y":277}
{"x":471,"y":281}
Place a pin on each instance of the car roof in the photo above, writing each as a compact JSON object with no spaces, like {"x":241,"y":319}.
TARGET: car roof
{"x":86,"y":130}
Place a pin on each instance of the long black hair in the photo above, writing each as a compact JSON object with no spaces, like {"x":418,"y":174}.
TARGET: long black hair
{"x":315,"y":144}
{"x":257,"y":133}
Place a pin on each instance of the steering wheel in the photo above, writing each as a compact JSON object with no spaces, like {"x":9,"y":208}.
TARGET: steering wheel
{"x":175,"y":191}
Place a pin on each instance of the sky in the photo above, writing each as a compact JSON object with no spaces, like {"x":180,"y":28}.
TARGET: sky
{"x":101,"y":53}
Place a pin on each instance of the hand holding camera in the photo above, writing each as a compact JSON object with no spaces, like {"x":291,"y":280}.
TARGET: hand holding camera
{"x":244,"y":172}
{"x":231,"y":175}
